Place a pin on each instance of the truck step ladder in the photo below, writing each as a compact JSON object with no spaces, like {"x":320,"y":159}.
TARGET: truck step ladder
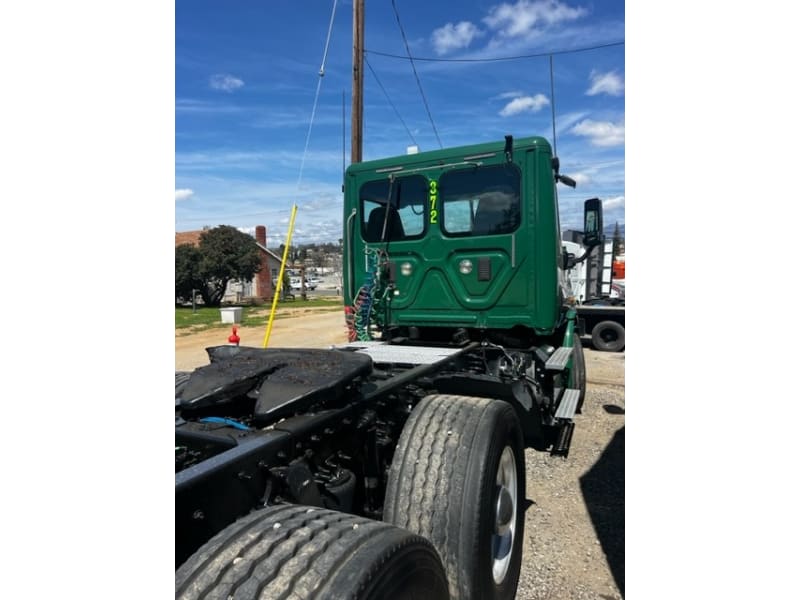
{"x":561,"y":447}
{"x":565,"y":412}
{"x":558,"y":360}
{"x":568,"y":405}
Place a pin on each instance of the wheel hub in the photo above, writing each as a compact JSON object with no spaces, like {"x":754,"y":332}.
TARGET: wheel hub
{"x":505,"y":512}
{"x":502,"y":544}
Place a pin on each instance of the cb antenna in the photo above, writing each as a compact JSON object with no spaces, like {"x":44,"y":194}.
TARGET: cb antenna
{"x":343,"y":141}
{"x":553,"y":105}
{"x":556,"y":163}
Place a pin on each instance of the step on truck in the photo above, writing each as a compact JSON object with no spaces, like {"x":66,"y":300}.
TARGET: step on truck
{"x":392,"y":466}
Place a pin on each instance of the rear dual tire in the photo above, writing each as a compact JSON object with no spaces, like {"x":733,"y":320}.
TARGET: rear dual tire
{"x":458,"y":479}
{"x":291,"y":551}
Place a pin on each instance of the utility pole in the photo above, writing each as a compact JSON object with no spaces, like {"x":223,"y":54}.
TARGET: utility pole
{"x":357,"y":114}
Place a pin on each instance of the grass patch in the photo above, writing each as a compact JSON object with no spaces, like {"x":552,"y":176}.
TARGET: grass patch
{"x":252,"y":316}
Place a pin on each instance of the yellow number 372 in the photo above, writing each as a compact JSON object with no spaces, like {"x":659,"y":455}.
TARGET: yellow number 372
{"x":434,"y":196}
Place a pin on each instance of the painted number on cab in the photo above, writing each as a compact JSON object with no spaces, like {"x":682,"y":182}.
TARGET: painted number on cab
{"x":434,"y":196}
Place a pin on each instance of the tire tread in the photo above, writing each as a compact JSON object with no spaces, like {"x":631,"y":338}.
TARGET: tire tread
{"x":600,"y":344}
{"x":281,"y":562}
{"x":429,"y":474}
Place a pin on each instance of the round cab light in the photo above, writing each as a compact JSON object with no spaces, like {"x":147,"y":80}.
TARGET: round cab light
{"x":465,"y":266}
{"x":405,"y":269}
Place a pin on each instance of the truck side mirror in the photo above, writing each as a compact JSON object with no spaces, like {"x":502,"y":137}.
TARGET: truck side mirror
{"x":592,"y":222}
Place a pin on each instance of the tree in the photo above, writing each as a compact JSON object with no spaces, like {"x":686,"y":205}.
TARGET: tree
{"x":187,"y":271}
{"x":224,"y":254}
{"x":286,"y":286}
{"x":318,"y":258}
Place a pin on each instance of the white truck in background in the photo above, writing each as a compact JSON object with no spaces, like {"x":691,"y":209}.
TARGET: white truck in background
{"x":600,"y":296}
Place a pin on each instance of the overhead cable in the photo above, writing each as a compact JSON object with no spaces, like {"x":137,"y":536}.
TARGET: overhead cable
{"x":388,"y":98}
{"x":419,"y":84}
{"x":495,"y":59}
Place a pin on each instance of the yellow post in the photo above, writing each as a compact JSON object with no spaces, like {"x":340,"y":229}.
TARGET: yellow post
{"x":280,"y":277}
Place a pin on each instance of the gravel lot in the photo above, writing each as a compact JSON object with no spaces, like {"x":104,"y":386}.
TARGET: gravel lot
{"x":575,"y":525}
{"x":574,"y":545}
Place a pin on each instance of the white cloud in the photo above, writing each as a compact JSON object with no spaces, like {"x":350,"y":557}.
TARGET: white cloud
{"x":524,"y":104}
{"x":601,"y":133}
{"x":525,"y":17}
{"x":454,"y":37}
{"x":201,"y":106}
{"x":567,"y":120}
{"x":211,"y":161}
{"x":505,"y":95}
{"x":183,"y":194}
{"x":606,"y":83}
{"x":226,"y":83}
{"x":581,"y":178}
{"x":615,"y":202}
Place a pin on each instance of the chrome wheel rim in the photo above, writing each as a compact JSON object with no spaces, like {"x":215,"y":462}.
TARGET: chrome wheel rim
{"x":505,"y":515}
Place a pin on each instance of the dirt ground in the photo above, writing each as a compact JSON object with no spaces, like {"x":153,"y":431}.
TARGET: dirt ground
{"x":308,"y":328}
{"x":574,"y":547}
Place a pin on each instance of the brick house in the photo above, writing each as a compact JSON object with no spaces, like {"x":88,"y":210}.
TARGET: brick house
{"x":270,"y":266}
{"x":261,"y":285}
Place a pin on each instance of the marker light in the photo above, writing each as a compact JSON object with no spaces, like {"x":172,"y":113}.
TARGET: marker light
{"x":465,"y":266}
{"x":405,"y":269}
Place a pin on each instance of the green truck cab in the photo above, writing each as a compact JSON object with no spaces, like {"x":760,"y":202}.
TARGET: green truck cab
{"x":463,"y":241}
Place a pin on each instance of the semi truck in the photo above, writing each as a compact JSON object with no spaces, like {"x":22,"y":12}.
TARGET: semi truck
{"x":599,"y":293}
{"x":393,"y":465}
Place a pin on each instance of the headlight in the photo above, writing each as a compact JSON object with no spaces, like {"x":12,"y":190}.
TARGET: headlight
{"x":405,"y":269}
{"x":465,"y":266}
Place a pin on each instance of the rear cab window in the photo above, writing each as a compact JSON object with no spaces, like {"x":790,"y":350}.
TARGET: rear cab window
{"x":480,"y":201}
{"x":406,"y":198}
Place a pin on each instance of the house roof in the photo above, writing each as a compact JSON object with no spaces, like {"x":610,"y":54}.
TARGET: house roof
{"x":187,"y":237}
{"x":193,"y":238}
{"x":268,"y":251}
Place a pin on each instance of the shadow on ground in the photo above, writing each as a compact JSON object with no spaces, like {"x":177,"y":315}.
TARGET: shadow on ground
{"x":603,"y":489}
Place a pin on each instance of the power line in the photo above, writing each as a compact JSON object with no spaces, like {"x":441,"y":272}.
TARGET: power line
{"x":375,"y":75}
{"x":316,"y":95}
{"x":496,"y":59}
{"x":414,"y":68}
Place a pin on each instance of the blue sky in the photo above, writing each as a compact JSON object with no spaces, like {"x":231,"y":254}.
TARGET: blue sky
{"x":246,"y":75}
